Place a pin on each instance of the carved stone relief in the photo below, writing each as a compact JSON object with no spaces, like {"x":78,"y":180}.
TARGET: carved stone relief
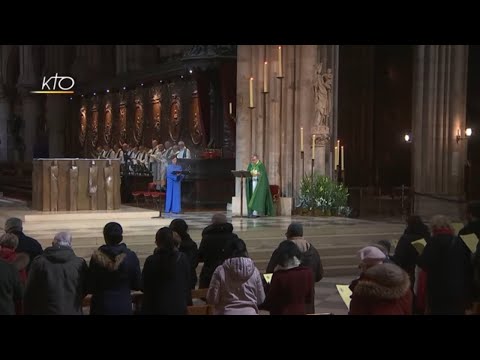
{"x":73,"y":186}
{"x":93,"y":185}
{"x":322,"y":91}
{"x":196,"y":124}
{"x":122,"y":117}
{"x":138,"y":124}
{"x":107,"y":131}
{"x":155,"y":96}
{"x":54,"y":186}
{"x":83,"y":125}
{"x":94,"y":124}
{"x":108,"y":176}
{"x":175,"y":118}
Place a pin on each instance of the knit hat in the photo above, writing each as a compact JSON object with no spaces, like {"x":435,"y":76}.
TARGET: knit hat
{"x":13,"y":224}
{"x":371,"y":254}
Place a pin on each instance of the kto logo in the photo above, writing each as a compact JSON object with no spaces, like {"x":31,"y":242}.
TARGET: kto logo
{"x":56,"y":85}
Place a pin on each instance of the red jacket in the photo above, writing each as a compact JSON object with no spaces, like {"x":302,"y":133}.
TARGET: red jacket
{"x":383,"y":289}
{"x":290,"y":291}
{"x":19,"y":260}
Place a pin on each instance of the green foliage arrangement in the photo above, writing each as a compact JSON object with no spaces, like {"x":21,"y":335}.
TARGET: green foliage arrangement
{"x":321,"y":195}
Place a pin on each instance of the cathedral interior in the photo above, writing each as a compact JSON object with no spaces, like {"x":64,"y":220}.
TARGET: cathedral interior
{"x":290,"y":104}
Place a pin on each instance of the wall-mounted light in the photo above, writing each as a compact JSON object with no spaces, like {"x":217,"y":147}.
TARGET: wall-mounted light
{"x":94,"y":93}
{"x":468,"y":133}
{"x":124,"y":88}
{"x":407,"y":138}
{"x":108,"y":90}
{"x":190,"y":71}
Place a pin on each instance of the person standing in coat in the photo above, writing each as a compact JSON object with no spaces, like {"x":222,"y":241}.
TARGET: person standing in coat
{"x":166,"y":278}
{"x":383,"y":289}
{"x":309,"y":257}
{"x":188,"y":247}
{"x":26,"y":244}
{"x":236,"y":287}
{"x":114,"y":272}
{"x":56,"y":283}
{"x":211,"y":250}
{"x":447,"y":263}
{"x":405,"y":254}
{"x":473,"y":227}
{"x":11,"y":289}
{"x":291,"y":287}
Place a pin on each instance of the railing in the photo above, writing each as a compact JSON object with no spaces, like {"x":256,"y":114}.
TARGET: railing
{"x":392,"y":201}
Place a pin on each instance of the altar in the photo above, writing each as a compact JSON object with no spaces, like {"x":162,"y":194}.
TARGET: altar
{"x":76,"y":184}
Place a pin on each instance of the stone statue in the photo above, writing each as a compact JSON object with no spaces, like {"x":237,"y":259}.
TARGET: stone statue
{"x":73,"y":179}
{"x":54,"y":186}
{"x":322,"y":89}
{"x":108,"y":175}
{"x":92,"y":185}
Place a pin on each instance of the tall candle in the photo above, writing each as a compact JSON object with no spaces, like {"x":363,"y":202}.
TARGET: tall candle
{"x":230,"y":108}
{"x":313,"y":147}
{"x":337,"y":163}
{"x":280,"y":65}
{"x":301,"y":139}
{"x":336,"y":157}
{"x":251,"y":92}
{"x":343,"y":153}
{"x":265,"y":76}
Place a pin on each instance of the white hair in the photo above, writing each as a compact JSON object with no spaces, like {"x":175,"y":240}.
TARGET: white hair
{"x":63,"y":239}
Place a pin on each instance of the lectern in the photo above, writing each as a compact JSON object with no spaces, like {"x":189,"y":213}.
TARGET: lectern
{"x":242,"y":174}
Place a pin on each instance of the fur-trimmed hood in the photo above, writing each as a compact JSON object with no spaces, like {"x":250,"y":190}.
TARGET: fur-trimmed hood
{"x":383,"y":281}
{"x":110,"y":257}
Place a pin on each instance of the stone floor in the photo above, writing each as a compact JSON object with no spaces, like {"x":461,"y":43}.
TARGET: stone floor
{"x":337,"y":239}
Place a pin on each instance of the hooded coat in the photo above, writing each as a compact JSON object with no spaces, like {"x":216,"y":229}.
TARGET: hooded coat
{"x":114,"y":272}
{"x":236,"y":288}
{"x":214,"y":239}
{"x":56,"y":283}
{"x":383,"y":289}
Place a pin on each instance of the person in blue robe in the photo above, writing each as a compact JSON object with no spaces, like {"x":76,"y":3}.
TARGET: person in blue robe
{"x":173,"y":200}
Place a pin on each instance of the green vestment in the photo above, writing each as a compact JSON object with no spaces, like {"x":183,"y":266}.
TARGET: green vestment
{"x":260,"y":199}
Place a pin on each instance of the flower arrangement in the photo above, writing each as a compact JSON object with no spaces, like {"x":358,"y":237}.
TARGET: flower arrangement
{"x":319,"y":194}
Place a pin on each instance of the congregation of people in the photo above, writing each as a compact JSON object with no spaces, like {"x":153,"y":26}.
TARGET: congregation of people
{"x":444,"y":278}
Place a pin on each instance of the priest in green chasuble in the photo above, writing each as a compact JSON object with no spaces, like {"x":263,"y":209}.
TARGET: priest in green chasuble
{"x":259,"y":197}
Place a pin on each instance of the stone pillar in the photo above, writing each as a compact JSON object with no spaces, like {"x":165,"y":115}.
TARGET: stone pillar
{"x":134,"y":57}
{"x":439,"y":111}
{"x":56,"y":112}
{"x":56,"y":105}
{"x":121,"y":58}
{"x":30,"y":102}
{"x":5,"y":115}
{"x":243,"y":138}
{"x":30,"y":114}
{"x":272,"y":129}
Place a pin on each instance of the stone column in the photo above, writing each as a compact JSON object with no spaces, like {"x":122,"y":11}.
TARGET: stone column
{"x":56,"y":105}
{"x":439,"y":111}
{"x":30,"y":102}
{"x":121,"y":58}
{"x":243,"y":123}
{"x":56,"y":112}
{"x":30,"y":114}
{"x":134,"y":57}
{"x":276,"y":138}
{"x":5,"y":115}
